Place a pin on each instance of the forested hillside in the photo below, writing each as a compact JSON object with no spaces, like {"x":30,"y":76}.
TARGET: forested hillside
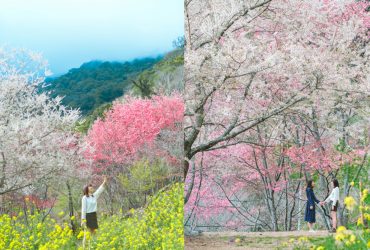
{"x":94,"y":85}
{"x":96,"y":82}
{"x":165,"y":76}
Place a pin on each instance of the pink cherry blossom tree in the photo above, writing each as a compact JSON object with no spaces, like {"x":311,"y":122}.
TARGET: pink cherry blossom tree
{"x":131,"y":131}
{"x":130,"y":127}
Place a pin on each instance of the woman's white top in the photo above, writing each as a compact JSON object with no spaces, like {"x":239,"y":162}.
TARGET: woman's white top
{"x":89,"y":204}
{"x":334,"y":196}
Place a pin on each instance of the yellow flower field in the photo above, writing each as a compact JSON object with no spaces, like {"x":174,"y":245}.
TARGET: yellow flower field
{"x":160,"y":226}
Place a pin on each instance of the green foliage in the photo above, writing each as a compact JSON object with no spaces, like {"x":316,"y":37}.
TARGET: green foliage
{"x":366,"y":201}
{"x":355,"y":171}
{"x":145,"y":84}
{"x":295,"y":176}
{"x":85,"y":124}
{"x":305,"y":243}
{"x":358,"y":169}
{"x":96,"y":83}
{"x":327,"y":243}
{"x":144,"y":178}
{"x":341,"y":146}
{"x":171,"y":61}
{"x":354,"y":119}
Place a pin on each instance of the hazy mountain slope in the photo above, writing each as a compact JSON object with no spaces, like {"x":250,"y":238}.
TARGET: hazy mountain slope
{"x":96,"y":82}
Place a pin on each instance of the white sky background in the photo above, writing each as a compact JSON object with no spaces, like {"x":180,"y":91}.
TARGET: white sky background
{"x":71,"y":32}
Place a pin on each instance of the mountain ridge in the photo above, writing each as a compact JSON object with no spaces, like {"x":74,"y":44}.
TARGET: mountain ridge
{"x":97,"y":82}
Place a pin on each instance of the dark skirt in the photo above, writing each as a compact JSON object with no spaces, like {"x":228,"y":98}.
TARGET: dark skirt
{"x":335,"y":208}
{"x":310,"y":215}
{"x":91,"y":220}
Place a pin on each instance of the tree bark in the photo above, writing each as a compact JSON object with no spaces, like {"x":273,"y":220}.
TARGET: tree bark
{"x":70,"y":205}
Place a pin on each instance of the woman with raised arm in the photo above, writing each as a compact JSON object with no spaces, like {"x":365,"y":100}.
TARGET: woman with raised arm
{"x":310,"y":215}
{"x":89,"y":206}
{"x":334,"y":198}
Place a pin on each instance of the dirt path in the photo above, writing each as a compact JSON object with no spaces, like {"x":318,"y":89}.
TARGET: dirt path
{"x":255,"y":240}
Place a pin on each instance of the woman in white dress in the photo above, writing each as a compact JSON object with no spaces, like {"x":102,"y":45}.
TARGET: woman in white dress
{"x":334,"y":199}
{"x":89,"y":206}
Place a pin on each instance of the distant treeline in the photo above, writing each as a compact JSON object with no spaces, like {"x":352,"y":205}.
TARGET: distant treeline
{"x":97,"y":82}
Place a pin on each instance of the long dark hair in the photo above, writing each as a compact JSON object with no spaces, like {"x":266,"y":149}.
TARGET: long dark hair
{"x":86,"y":190}
{"x":309,"y":184}
{"x":335,"y":183}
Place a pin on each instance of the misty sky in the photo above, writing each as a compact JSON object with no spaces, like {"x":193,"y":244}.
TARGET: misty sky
{"x":71,"y":32}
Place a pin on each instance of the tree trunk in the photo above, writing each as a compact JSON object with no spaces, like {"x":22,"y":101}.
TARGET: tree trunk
{"x":186,"y":168}
{"x":342,"y":216}
{"x":299,"y":208}
{"x":287,"y":219}
{"x":70,"y":204}
{"x":191,"y":185}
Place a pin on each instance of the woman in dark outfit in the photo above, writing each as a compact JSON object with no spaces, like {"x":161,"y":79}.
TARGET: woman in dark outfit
{"x":310,"y":215}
